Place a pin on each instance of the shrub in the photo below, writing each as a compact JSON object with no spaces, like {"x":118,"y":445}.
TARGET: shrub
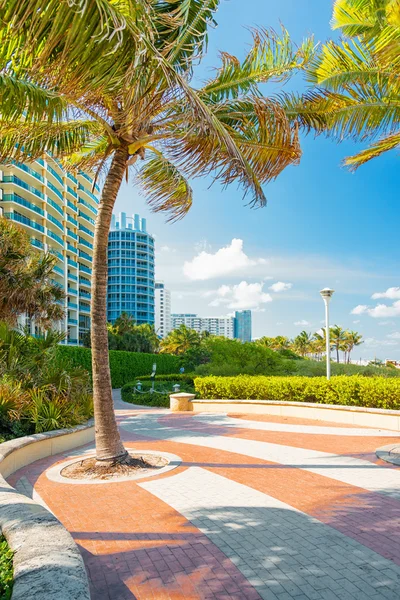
{"x":6,"y":570}
{"x":376,"y":392}
{"x":175,"y":377}
{"x":148,"y":398}
{"x":125,"y":366}
{"x":313,"y":368}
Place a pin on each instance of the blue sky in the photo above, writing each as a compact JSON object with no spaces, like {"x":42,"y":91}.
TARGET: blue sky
{"x":323,"y":226}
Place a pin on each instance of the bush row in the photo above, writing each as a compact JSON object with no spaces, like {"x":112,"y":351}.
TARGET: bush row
{"x":350,"y":391}
{"x":125,"y":366}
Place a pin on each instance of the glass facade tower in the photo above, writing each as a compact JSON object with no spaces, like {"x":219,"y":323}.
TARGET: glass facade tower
{"x":243,"y":325}
{"x":130,"y":269}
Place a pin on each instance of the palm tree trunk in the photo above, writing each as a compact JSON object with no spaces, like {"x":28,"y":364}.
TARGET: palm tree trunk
{"x":109,"y":446}
{"x":337,"y":353}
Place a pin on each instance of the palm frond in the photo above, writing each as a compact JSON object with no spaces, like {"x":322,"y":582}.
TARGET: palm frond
{"x":383,"y":145}
{"x":27,"y":141}
{"x":165,"y":187}
{"x":20,"y":97}
{"x":359,"y":17}
{"x":272,"y":57}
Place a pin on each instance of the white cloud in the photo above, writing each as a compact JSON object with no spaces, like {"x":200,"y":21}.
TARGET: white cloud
{"x":357,"y":321}
{"x":359,"y":310}
{"x":242,"y":296}
{"x":279,"y":323}
{"x":382,"y":323}
{"x":383,"y":310}
{"x":227,"y":260}
{"x":392,"y":293}
{"x":280,"y":286}
{"x":167,"y":249}
{"x":303,"y":322}
{"x":394,"y":336}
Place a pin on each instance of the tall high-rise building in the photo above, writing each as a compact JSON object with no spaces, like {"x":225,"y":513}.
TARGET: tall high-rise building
{"x":214,"y":325}
{"x":58,"y":210}
{"x":130,"y":269}
{"x":163,"y":310}
{"x":243,"y":325}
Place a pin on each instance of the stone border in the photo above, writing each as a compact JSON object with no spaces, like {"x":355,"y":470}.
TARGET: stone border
{"x":54,"y":473}
{"x":390,"y":454}
{"x":47,"y":561}
{"x":377,"y":418}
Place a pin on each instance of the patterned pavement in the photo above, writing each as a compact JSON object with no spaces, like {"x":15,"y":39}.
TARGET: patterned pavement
{"x":260,"y":507}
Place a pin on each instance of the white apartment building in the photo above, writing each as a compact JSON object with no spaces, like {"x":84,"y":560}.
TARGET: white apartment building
{"x":224,"y":326}
{"x":162,"y":310}
{"x":58,"y":210}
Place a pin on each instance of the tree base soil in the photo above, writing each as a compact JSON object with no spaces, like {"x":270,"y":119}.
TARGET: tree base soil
{"x":139,"y":464}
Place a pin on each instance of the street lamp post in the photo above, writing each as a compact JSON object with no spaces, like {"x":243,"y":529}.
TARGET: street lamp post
{"x":327,"y":294}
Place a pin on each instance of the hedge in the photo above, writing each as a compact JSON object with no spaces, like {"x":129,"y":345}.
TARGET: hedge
{"x":153,"y":399}
{"x":377,"y":392}
{"x":125,"y":366}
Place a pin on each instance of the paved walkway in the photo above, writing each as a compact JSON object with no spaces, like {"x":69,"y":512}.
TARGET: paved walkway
{"x":260,"y":508}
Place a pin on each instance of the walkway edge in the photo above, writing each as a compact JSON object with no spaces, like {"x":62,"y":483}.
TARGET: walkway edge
{"x":47,"y":562}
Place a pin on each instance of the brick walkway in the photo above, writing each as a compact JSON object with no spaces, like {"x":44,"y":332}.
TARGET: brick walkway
{"x":260,"y":507}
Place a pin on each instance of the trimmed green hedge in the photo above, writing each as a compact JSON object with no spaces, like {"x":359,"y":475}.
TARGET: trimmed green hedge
{"x":374,"y":392}
{"x":125,"y":366}
{"x":153,"y":399}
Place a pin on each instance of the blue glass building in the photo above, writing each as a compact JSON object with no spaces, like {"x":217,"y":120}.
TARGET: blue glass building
{"x":243,"y":325}
{"x":130,"y":269}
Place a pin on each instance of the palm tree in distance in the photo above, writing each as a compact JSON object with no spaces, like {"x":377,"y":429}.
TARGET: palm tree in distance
{"x":124,"y":323}
{"x":136,"y":109}
{"x":302,"y":343}
{"x":338,"y":338}
{"x":180,"y":340}
{"x":352,"y":339}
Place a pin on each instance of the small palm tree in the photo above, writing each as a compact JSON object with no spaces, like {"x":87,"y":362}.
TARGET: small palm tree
{"x":302,"y":343}
{"x":133,"y":106}
{"x":352,"y":339}
{"x":338,"y":338}
{"x":124,"y":323}
{"x":180,"y":340}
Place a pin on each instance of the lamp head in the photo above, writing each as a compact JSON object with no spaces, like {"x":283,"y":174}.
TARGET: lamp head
{"x":327,"y":294}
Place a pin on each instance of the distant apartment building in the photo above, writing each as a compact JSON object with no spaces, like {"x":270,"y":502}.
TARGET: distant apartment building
{"x":130,"y":269}
{"x":162,"y":309}
{"x":58,"y":210}
{"x":243,"y":325}
{"x":223,"y":326}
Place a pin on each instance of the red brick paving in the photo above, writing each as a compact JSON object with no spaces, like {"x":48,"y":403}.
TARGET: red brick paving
{"x":136,"y":546}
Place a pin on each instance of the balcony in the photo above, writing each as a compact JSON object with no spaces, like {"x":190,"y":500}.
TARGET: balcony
{"x":85,"y":243}
{"x":72,"y":234}
{"x":72,"y":206}
{"x":72,"y":262}
{"x":84,"y":308}
{"x":72,"y":220}
{"x":72,"y":341}
{"x":83,"y":281}
{"x":84,"y":269}
{"x":24,"y":220}
{"x":72,"y":178}
{"x":38,"y":244}
{"x":84,"y":294}
{"x":85,"y":216}
{"x":55,"y":237}
{"x":22,"y":202}
{"x":72,"y":192}
{"x":72,"y":305}
{"x":89,"y":206}
{"x":73,"y":277}
{"x":88,"y":192}
{"x":85,"y":255}
{"x":58,"y":270}
{"x":72,"y":321}
{"x":72,"y":291}
{"x":17,"y":181}
{"x":56,"y":222}
{"x":86,"y":230}
{"x":71,"y":248}
{"x":28,"y":170}
{"x":55,"y":175}
{"x":56,"y":206}
{"x":55,"y":190}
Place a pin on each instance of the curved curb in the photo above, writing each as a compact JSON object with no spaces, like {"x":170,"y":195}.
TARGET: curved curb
{"x":390,"y":454}
{"x":47,"y":561}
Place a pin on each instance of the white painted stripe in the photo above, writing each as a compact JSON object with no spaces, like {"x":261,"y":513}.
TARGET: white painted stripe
{"x":281,"y":551}
{"x":346,"y":469}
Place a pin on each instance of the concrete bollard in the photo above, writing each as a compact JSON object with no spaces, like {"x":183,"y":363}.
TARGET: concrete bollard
{"x":181,"y":402}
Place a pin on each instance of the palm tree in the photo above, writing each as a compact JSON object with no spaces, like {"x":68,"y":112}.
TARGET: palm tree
{"x":338,"y":337}
{"x":136,"y":104}
{"x":302,"y":343}
{"x":180,"y":340}
{"x":26,"y":284}
{"x":356,"y":81}
{"x":352,"y":339}
{"x":123,"y":324}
